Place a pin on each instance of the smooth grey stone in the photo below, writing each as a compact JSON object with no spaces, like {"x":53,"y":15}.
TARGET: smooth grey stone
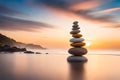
{"x":74,"y":31}
{"x":77,"y":51}
{"x":77,"y":59}
{"x":76,"y":39}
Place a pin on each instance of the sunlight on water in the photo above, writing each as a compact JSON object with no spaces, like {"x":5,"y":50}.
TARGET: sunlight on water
{"x":20,"y":66}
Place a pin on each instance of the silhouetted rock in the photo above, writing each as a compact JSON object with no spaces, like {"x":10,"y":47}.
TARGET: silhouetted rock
{"x":7,"y":48}
{"x":4,"y":40}
{"x":23,"y":49}
{"x":29,"y":52}
{"x":38,"y":53}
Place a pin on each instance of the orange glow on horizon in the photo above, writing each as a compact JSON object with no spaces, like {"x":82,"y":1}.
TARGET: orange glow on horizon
{"x":59,"y":38}
{"x":93,"y":34}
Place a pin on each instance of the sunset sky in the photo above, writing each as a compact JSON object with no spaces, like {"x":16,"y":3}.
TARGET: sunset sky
{"x":48,"y":22}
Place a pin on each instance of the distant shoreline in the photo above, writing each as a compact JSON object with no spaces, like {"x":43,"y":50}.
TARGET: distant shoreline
{"x":4,"y":40}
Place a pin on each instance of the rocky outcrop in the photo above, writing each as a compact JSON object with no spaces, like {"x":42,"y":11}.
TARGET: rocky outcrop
{"x":4,"y":40}
{"x":7,"y":48}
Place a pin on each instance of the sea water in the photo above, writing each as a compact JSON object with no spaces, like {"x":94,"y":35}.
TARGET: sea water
{"x":101,"y":65}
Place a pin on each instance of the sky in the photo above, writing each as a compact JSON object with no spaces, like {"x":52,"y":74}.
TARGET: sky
{"x":48,"y":22}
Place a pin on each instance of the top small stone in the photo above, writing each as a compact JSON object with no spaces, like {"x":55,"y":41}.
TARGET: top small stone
{"x":75,"y":22}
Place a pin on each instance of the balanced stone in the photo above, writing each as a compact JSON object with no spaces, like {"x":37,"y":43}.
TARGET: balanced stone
{"x":77,"y":59}
{"x":77,"y":51}
{"x":76,"y":35}
{"x":75,"y":28}
{"x":76,"y":40}
{"x":74,"y":31}
{"x":75,"y":22}
{"x":79,"y":44}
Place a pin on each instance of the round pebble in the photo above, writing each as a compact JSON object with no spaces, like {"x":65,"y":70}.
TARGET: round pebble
{"x":75,"y":28}
{"x":77,"y":59}
{"x":76,"y":35}
{"x":75,"y":22}
{"x":77,"y":40}
{"x":74,"y":31}
{"x":77,"y":51}
{"x":79,"y":44}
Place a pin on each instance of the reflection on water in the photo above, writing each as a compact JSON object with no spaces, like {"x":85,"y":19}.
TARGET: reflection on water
{"x":76,"y":70}
{"x":33,"y":67}
{"x":55,"y":67}
{"x":6,"y":67}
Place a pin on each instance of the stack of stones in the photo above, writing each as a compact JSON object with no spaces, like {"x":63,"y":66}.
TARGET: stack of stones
{"x":77,"y":43}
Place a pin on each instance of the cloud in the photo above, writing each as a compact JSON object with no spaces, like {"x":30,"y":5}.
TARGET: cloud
{"x":62,"y":4}
{"x":87,"y":4}
{"x":88,"y":16}
{"x":7,"y":11}
{"x":81,"y":8}
{"x":113,"y":26}
{"x":14,"y":24}
{"x":109,"y":10}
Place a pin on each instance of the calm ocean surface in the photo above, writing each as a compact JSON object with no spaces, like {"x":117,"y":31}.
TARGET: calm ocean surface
{"x":101,"y":65}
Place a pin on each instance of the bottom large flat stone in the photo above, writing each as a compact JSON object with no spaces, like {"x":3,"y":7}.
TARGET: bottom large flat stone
{"x":76,"y":59}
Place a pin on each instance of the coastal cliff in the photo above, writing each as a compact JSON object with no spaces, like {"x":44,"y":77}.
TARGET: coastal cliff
{"x":4,"y":40}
